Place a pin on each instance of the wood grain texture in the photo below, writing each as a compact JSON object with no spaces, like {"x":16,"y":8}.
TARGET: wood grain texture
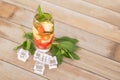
{"x":110,"y":4}
{"x":28,"y":4}
{"x":6,"y":10}
{"x":11,"y":72}
{"x":90,"y":10}
{"x":68,"y":72}
{"x":7,"y":30}
{"x":97,"y":64}
{"x":91,"y":66}
{"x":81,"y":21}
{"x":89,"y":61}
{"x":86,"y":40}
{"x":117,"y":53}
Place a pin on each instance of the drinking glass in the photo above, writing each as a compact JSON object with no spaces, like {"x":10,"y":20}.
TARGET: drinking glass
{"x":43,"y":34}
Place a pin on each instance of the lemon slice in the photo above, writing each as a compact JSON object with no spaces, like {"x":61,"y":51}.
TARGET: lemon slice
{"x":48,"y":26}
{"x":35,"y":30}
{"x":35,"y":33}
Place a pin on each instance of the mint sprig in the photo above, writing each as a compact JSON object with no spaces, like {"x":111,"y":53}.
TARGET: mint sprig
{"x":64,"y":47}
{"x":41,"y":16}
{"x":28,"y":44}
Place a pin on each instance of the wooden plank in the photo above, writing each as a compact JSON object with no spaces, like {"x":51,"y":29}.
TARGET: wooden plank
{"x":68,"y":72}
{"x":7,"y":30}
{"x":28,"y":4}
{"x":89,"y":61}
{"x":90,"y":10}
{"x":97,"y":64}
{"x":83,"y":22}
{"x":110,"y":74}
{"x":78,"y":20}
{"x":86,"y":40}
{"x":6,"y":10}
{"x":117,"y":53}
{"x":110,"y":4}
{"x":11,"y":72}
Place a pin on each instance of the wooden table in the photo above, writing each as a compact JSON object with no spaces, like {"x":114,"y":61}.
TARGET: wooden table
{"x":95,"y":23}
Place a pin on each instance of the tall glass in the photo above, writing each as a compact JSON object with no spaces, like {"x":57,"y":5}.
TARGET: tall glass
{"x":43,"y":33}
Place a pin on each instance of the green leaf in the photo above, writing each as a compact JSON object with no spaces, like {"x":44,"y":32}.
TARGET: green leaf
{"x":65,"y":38}
{"x":68,"y":45}
{"x":71,"y":56}
{"x":18,"y":47}
{"x":40,"y":13}
{"x":74,"y":56}
{"x":28,"y":35}
{"x":32,"y":48}
{"x":45,"y":17}
{"x":41,"y":17}
{"x":59,"y":57}
{"x":28,"y":44}
{"x":24,"y":46}
{"x":54,"y":49}
{"x":66,"y":55}
{"x":48,"y":16}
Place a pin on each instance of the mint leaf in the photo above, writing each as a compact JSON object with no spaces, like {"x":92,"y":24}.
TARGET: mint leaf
{"x":66,"y":55}
{"x":24,"y":45}
{"x":28,"y":44}
{"x":54,"y":49}
{"x":74,"y":56}
{"x":32,"y":49}
{"x":40,"y":13}
{"x":41,"y":16}
{"x":68,"y":45}
{"x":65,"y":47}
{"x":18,"y":47}
{"x":28,"y":35}
{"x":45,"y":17}
{"x":48,"y":16}
{"x":71,"y":55}
{"x":59,"y":57}
{"x":65,"y":38}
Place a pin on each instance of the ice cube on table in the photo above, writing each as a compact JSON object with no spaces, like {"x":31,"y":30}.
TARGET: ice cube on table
{"x":22,"y":55}
{"x":39,"y":68}
{"x":53,"y":62}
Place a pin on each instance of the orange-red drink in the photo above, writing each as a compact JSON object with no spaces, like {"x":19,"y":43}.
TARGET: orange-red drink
{"x":43,"y":33}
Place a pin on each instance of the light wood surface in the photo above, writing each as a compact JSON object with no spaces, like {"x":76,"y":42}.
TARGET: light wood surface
{"x":11,"y":72}
{"x":117,"y":53}
{"x":109,"y":4}
{"x":84,"y":63}
{"x":90,"y":10}
{"x":4,"y":11}
{"x":92,"y":25}
{"x":95,"y":23}
{"x":87,"y":40}
{"x":67,"y":71}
